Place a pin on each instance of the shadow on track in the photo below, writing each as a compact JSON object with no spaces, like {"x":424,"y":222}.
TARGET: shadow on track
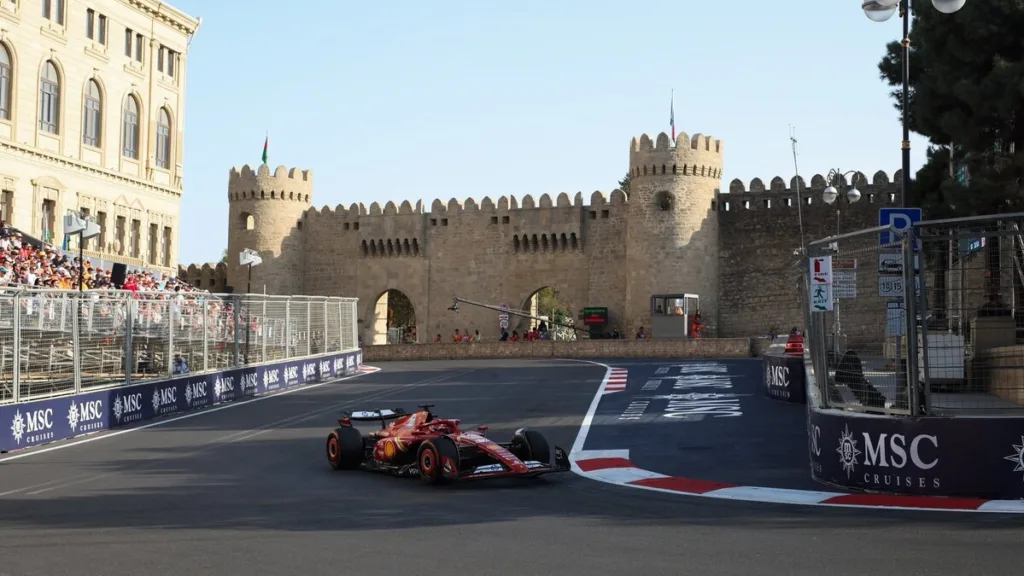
{"x":279,"y":479}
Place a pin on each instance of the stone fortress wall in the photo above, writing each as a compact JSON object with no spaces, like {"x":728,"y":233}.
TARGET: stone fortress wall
{"x":676,"y":232}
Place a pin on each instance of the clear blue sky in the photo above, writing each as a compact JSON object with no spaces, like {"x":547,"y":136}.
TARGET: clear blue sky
{"x":459,"y":98}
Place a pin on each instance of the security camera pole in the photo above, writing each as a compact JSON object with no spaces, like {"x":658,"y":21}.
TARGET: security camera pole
{"x":248,"y":258}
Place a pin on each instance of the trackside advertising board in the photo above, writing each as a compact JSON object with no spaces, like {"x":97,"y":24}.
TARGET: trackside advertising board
{"x":960,"y":457}
{"x":43,"y":421}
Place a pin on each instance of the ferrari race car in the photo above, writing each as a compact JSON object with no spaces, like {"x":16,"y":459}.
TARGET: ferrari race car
{"x":436,"y":450}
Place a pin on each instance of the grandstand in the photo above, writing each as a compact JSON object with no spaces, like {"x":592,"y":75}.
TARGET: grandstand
{"x":107,"y":335}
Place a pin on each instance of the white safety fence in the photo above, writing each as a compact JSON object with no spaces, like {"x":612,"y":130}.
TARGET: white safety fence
{"x":55,"y":342}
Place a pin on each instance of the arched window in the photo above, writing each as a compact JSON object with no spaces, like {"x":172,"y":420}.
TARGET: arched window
{"x":49,"y":99}
{"x":5,"y":83}
{"x":92,"y":115}
{"x":163,"y":140}
{"x":130,"y":128}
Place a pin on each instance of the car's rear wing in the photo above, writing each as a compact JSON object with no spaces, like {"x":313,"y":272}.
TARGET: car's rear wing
{"x":381,"y":416}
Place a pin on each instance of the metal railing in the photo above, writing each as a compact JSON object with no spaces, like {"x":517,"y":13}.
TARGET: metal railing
{"x":857,"y":363}
{"x":56,"y":342}
{"x":974,"y":322}
{"x":928,"y":324}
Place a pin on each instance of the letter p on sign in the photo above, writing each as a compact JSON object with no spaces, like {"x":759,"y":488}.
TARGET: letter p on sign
{"x":899,"y":218}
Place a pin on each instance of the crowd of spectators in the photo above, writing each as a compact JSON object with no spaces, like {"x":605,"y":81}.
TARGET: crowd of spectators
{"x":29,"y":263}
{"x":33,"y":264}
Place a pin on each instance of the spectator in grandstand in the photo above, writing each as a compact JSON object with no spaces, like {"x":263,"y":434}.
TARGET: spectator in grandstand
{"x":180,"y":365}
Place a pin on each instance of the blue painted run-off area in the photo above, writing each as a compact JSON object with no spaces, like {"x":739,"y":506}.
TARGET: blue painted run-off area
{"x":707,"y":420}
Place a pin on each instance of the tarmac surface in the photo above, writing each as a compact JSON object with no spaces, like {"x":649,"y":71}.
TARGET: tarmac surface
{"x":694,"y":420}
{"x":247,"y":490}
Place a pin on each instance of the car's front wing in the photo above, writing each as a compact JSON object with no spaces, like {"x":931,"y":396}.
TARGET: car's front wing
{"x":535,"y":468}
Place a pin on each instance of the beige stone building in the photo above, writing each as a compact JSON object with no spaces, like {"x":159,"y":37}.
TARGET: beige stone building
{"x":677,"y":231}
{"x":92,"y":116}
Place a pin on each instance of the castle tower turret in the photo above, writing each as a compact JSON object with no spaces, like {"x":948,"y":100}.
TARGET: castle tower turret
{"x":672,"y":232}
{"x":265,"y":214}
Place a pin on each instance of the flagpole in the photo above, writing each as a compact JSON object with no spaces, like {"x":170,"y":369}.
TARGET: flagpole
{"x":672,"y":114}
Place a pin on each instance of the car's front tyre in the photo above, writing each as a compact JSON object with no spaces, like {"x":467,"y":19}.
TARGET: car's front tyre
{"x":438,"y":461}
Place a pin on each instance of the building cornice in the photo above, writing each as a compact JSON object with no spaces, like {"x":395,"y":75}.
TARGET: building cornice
{"x":167,"y":14}
{"x":9,"y":147}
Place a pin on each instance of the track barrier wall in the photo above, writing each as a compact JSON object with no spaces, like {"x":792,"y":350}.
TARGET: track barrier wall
{"x":942,"y":416}
{"x":784,"y":374}
{"x":604,"y":348}
{"x":76,"y":363}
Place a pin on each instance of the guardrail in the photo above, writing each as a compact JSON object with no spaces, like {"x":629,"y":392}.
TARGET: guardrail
{"x":58,"y":342}
{"x":77,"y":362}
{"x":39,"y":422}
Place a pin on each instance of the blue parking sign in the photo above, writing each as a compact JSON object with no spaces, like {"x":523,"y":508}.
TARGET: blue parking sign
{"x":900,"y":218}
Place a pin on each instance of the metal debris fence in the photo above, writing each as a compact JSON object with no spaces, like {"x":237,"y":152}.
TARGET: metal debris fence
{"x":953,"y":288}
{"x":852,"y":340}
{"x":56,"y":342}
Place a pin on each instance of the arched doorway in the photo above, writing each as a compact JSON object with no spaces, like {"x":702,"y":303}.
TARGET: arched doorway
{"x":549,"y":305}
{"x":394,"y":319}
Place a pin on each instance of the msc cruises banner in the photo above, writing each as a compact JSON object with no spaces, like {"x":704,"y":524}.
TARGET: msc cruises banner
{"x":42,"y":421}
{"x":967,"y":457}
{"x":784,"y":377}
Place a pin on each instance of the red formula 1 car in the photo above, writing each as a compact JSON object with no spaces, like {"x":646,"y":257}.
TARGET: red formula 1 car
{"x":436,"y":450}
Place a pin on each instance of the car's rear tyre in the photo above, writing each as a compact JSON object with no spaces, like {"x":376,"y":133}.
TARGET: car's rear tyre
{"x":531,"y":445}
{"x":345,"y":448}
{"x":438,"y":461}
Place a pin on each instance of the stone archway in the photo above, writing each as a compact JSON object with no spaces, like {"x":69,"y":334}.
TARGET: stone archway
{"x":393,"y":319}
{"x":550,"y":304}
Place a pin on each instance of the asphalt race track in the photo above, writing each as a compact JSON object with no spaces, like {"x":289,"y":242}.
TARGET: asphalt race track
{"x":247,"y":490}
{"x":674,"y":422}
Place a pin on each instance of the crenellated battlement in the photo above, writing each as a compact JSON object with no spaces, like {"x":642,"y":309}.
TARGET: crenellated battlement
{"x":283,"y":184}
{"x":778,"y":185}
{"x":470,"y":205}
{"x":880,"y":190}
{"x":697,"y":156}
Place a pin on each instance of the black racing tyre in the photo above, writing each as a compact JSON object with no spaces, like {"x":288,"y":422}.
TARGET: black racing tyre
{"x":531,"y":445}
{"x":345,"y":448}
{"x":438,"y":461}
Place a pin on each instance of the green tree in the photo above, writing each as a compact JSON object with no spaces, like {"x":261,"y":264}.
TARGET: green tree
{"x":224,"y":257}
{"x":401,"y":314}
{"x":551,"y":304}
{"x":624,"y":183}
{"x":966,"y":91}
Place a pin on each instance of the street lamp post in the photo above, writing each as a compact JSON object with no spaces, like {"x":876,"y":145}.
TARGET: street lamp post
{"x":248,"y":258}
{"x":881,"y":11}
{"x":836,"y":181}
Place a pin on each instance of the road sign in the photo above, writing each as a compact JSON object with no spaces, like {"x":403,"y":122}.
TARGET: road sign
{"x":891,"y":287}
{"x":844,"y":278}
{"x":844,"y":284}
{"x":821,"y":284}
{"x":895,"y":318}
{"x":503,"y":317}
{"x":899,"y":218}
{"x":891,"y":263}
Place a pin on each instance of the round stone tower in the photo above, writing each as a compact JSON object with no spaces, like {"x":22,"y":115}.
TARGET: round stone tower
{"x":265,"y":214}
{"x":672,"y":233}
